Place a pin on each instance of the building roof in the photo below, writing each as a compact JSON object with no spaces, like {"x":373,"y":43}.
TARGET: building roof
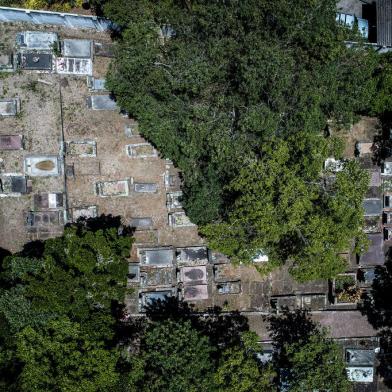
{"x":384,"y":22}
{"x":112,"y":188}
{"x":372,"y":207}
{"x":35,"y":61}
{"x":375,"y":254}
{"x":76,"y":48}
{"x":192,"y":255}
{"x":143,"y":187}
{"x":141,"y":223}
{"x":157,"y":256}
{"x":13,"y":184}
{"x":101,"y":102}
{"x":345,"y":323}
{"x":9,"y":106}
{"x":360,"y":357}
{"x":42,"y":166}
{"x":194,"y":275}
{"x":48,"y":200}
{"x":360,"y":374}
{"x":36,"y":40}
{"x":195,"y":293}
{"x":155,"y":277}
{"x":11,"y":142}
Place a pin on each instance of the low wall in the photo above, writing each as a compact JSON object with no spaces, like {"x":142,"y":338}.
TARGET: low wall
{"x":73,"y":21}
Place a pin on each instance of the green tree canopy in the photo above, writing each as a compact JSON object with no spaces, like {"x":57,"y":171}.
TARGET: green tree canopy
{"x":57,"y":312}
{"x":240,"y":371}
{"x":217,"y":86}
{"x":291,"y":208}
{"x":60,"y":357}
{"x":317,"y":364}
{"x":306,"y":358}
{"x":177,"y":358}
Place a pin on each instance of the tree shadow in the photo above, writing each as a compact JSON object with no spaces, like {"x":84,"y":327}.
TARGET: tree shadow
{"x":128,"y":331}
{"x":103,"y":222}
{"x":377,"y":306}
{"x":222,"y":328}
{"x":382,"y":142}
{"x":33,"y":249}
{"x":288,"y":328}
{"x":3,"y":254}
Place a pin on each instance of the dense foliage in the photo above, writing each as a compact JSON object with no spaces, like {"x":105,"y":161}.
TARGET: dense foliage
{"x":238,"y":94}
{"x":281,"y":209}
{"x":316,"y":365}
{"x":57,"y":313}
{"x":63,"y":328}
{"x":187,"y":368}
{"x":53,"y":5}
{"x":238,"y":371}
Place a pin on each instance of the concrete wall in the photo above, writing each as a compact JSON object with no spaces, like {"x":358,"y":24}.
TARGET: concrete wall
{"x":72,"y":21}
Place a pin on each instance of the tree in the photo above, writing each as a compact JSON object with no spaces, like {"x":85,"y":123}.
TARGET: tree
{"x":306,"y":357}
{"x":61,"y":357}
{"x":287,"y":209}
{"x":239,"y":370}
{"x":58,"y":312}
{"x":217,"y":86}
{"x":176,"y":357}
{"x":382,"y":103}
{"x":317,"y":364}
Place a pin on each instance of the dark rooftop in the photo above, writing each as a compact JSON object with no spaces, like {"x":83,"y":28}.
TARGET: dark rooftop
{"x":358,"y":357}
{"x":375,"y":254}
{"x":384,"y":22}
{"x":192,"y":255}
{"x":345,"y":323}
{"x":372,"y":207}
{"x":11,"y":142}
{"x":35,"y":61}
{"x":19,"y":184}
{"x":141,"y":223}
{"x":76,"y":48}
{"x":156,"y":277}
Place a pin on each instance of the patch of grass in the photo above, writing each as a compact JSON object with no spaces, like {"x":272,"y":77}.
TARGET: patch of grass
{"x":5,"y":75}
{"x":343,"y":282}
{"x":19,"y":115}
{"x":32,"y":85}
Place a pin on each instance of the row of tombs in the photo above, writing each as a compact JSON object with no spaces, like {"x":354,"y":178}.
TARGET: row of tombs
{"x":45,"y":52}
{"x":50,"y":209}
{"x":191,"y":273}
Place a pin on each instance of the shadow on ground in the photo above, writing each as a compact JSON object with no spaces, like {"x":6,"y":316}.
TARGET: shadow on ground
{"x":377,"y":306}
{"x":288,"y":328}
{"x":222,"y":328}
